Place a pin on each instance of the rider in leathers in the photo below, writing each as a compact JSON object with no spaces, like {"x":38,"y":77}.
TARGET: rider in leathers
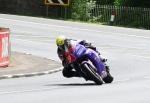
{"x":65,"y":45}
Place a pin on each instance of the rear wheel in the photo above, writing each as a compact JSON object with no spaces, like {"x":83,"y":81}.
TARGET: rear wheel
{"x":109,"y":78}
{"x":91,"y":74}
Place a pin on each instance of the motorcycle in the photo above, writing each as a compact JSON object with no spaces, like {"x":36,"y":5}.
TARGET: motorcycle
{"x":86,"y":69}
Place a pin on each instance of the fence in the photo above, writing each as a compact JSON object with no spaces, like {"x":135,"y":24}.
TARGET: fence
{"x":124,"y":16}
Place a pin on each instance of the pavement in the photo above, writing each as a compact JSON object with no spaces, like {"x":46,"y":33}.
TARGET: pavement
{"x":26,"y":65}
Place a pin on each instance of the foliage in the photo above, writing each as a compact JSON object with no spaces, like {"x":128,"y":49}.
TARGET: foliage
{"x":81,"y":9}
{"x":105,"y":2}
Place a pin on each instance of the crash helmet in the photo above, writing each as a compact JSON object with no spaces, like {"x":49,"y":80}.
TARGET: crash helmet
{"x":60,"y":40}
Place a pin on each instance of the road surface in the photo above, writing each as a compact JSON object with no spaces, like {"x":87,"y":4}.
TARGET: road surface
{"x":127,"y":51}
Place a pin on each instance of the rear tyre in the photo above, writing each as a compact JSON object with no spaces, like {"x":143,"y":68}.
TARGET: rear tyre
{"x":108,"y":79}
{"x":91,"y":74}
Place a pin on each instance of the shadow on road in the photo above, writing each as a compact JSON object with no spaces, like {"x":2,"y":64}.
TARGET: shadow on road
{"x":73,"y":84}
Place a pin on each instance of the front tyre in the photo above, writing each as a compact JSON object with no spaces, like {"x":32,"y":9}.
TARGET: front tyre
{"x":91,"y":74}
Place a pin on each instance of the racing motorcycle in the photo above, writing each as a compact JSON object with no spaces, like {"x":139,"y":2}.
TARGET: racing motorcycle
{"x":84,"y":66}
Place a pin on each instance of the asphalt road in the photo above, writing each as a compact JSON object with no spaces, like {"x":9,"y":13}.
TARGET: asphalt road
{"x":127,"y":50}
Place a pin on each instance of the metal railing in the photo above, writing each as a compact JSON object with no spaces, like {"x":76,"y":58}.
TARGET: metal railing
{"x":123,"y":16}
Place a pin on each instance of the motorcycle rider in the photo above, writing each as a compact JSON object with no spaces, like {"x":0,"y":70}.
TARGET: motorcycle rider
{"x":64,"y":45}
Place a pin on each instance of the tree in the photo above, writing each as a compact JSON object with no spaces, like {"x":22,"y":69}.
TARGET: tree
{"x":81,"y":9}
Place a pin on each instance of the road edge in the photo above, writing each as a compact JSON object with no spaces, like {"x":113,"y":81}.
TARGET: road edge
{"x":31,"y":74}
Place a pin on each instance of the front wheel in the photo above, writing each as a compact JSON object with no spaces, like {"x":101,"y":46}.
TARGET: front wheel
{"x":91,"y":74}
